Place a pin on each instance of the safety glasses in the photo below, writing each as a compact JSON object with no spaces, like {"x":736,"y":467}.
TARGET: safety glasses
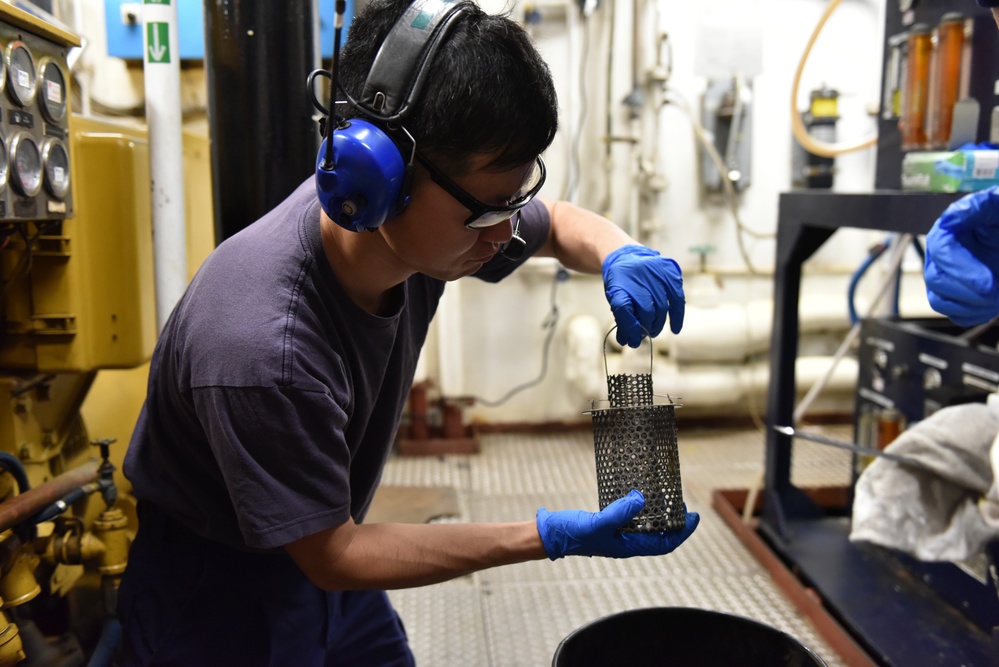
{"x":485,"y":215}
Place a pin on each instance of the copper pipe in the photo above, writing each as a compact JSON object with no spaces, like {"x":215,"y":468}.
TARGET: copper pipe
{"x":25,"y":505}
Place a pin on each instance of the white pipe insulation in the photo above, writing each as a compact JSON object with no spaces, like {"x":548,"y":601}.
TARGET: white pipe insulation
{"x":714,"y":385}
{"x":730,"y":332}
{"x":161,"y":61}
{"x":706,"y":368}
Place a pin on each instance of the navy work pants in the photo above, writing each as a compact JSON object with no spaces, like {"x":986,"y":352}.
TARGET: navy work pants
{"x":186,"y":602}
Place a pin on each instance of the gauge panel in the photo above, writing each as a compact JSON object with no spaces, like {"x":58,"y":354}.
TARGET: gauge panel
{"x":35,"y":159}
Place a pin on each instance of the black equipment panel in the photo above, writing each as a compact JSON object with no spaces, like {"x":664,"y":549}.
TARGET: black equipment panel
{"x":920,"y":366}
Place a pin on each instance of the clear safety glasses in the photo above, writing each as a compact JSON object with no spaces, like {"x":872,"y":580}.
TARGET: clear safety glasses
{"x":485,"y":215}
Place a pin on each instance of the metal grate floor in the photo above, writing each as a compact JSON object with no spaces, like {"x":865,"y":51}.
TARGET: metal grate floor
{"x":515,"y":616}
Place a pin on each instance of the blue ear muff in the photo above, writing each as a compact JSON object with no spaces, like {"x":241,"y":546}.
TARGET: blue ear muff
{"x":368,"y":181}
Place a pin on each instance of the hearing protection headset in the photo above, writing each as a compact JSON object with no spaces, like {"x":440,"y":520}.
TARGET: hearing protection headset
{"x":365,"y":165}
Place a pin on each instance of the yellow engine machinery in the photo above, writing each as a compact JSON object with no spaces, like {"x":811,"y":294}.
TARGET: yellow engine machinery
{"x":75,"y":279}
{"x":76,"y":299}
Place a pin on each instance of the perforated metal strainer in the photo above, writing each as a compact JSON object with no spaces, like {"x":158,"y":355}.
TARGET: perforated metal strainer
{"x":635,"y":446}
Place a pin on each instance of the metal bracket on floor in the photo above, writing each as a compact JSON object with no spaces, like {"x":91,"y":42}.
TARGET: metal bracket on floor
{"x":435,"y":426}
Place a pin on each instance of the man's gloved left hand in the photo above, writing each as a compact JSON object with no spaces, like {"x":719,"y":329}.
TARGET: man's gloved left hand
{"x":582,"y":533}
{"x":642,"y":287}
{"x":962,"y":259}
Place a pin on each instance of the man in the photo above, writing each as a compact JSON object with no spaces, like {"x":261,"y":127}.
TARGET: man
{"x":277,"y":385}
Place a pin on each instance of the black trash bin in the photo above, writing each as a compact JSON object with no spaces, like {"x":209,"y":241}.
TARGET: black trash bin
{"x":681,"y":637}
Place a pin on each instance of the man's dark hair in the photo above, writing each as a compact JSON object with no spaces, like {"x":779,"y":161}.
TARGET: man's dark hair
{"x":487,"y":89}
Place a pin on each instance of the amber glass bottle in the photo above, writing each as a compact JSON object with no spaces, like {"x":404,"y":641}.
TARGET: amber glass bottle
{"x":917,"y":79}
{"x":948,"y":66}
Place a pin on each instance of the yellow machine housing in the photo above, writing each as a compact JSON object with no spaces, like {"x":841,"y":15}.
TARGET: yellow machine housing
{"x":77,"y":318}
{"x":86,"y":301}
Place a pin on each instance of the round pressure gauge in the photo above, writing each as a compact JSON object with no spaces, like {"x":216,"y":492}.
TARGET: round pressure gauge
{"x":20,"y":73}
{"x":51,"y":90}
{"x":55,"y":165}
{"x":26,"y":165}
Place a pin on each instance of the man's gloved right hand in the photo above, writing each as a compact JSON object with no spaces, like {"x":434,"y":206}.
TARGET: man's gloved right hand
{"x":962,"y":259}
{"x":581,"y":533}
{"x":642,"y":288}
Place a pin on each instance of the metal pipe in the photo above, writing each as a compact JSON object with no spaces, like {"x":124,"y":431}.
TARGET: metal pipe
{"x":853,"y":447}
{"x":161,"y":70}
{"x":264,"y":141}
{"x":25,"y":505}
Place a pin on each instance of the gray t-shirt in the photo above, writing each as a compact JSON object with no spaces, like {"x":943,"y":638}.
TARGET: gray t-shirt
{"x":273,"y":400}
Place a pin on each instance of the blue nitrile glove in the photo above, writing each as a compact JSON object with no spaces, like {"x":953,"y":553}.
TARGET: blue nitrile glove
{"x":642,"y":286}
{"x":962,"y":259}
{"x":581,"y":533}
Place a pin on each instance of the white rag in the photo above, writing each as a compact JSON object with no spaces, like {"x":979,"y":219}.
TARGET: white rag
{"x":948,"y":511}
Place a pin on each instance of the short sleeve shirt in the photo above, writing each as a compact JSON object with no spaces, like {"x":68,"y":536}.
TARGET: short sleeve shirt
{"x":273,"y":400}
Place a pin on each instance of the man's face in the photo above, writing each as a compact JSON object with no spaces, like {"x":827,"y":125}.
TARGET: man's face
{"x":430,"y":235}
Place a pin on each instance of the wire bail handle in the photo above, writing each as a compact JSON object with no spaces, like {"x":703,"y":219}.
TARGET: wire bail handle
{"x":647,"y":335}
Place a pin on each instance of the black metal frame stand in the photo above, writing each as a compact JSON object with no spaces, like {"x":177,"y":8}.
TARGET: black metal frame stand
{"x":894,"y":615}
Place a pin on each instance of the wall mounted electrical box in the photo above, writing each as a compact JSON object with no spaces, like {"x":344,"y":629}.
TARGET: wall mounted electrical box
{"x":809,"y":170}
{"x":727,"y":114}
{"x":123,"y":23}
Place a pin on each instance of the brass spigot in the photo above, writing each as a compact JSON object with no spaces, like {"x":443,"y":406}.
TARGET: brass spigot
{"x":107,"y":543}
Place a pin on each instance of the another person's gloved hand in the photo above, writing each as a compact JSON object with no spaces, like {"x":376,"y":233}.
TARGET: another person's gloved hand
{"x":642,"y":286}
{"x":962,"y":259}
{"x":581,"y":533}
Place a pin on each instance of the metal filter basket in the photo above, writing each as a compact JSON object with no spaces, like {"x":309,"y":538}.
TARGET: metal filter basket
{"x":635,"y":446}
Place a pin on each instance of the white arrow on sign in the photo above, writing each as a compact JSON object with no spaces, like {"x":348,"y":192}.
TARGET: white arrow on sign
{"x":157,"y":50}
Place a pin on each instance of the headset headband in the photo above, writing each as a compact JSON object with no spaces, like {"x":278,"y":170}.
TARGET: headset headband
{"x":400,"y":67}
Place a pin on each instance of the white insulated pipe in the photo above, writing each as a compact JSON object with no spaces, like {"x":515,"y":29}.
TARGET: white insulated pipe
{"x":700,"y":381}
{"x":161,"y":61}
